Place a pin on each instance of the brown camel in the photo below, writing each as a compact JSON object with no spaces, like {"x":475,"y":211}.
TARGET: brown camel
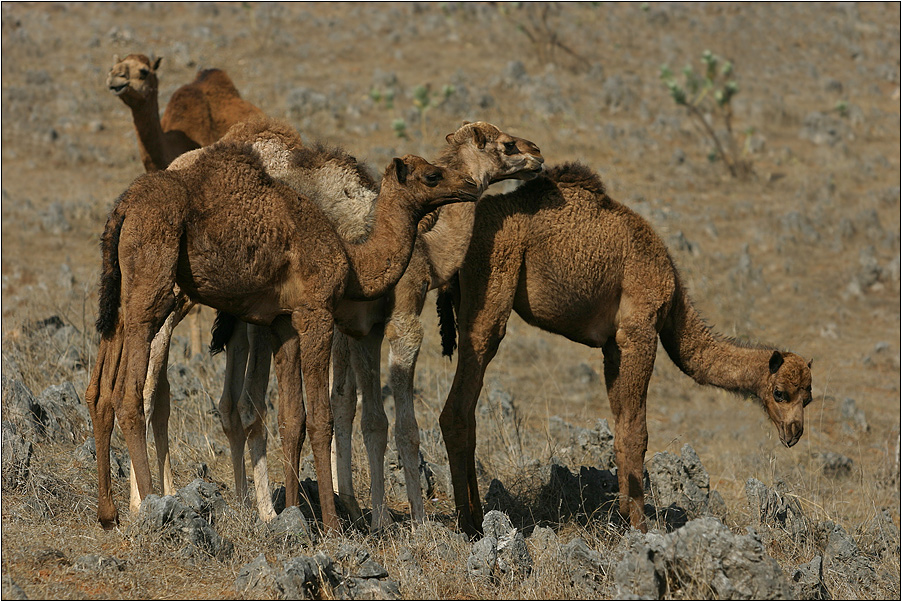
{"x":231,"y":237}
{"x":570,"y":260}
{"x":479,"y":150}
{"x":197,"y":114}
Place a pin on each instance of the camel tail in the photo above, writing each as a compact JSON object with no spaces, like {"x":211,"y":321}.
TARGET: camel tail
{"x":223,"y":327}
{"x":111,"y":275}
{"x":446,"y":321}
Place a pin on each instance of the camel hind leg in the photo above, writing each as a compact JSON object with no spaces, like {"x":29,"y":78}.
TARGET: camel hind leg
{"x":344,"y":407}
{"x":365,"y":358}
{"x":629,"y":359}
{"x":405,"y":335}
{"x":98,"y":398}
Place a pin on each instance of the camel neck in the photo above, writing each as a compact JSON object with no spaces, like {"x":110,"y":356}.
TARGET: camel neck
{"x":709,"y":358}
{"x":378,"y":262}
{"x":150,"y":134}
{"x":447,"y":242}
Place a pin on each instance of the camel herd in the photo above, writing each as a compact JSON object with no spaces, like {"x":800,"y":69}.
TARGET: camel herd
{"x":310,"y":264}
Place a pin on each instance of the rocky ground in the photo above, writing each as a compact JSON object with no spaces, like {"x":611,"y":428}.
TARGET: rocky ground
{"x":803,"y":254}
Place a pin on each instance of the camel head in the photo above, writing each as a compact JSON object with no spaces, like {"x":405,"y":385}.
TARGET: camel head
{"x":422,"y":186}
{"x":786,"y":392}
{"x":134,"y":79}
{"x":490,"y":155}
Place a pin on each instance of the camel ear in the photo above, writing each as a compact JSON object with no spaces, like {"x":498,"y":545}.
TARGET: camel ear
{"x":116,"y":59}
{"x":448,"y":137}
{"x":156,"y":63}
{"x":400,"y":170}
{"x":479,"y":137}
{"x":776,"y":360}
{"x":465,"y":123}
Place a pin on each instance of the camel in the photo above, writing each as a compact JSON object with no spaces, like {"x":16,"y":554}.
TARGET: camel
{"x":480,"y":150}
{"x":572,"y":261}
{"x":231,"y":237}
{"x":198,"y":114}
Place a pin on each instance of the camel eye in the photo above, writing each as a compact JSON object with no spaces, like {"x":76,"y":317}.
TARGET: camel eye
{"x":143,"y":72}
{"x":510,"y":148}
{"x":779,"y":395}
{"x":432,"y":179}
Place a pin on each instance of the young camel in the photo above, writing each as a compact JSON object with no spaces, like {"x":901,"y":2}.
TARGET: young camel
{"x":480,"y":150}
{"x":570,"y":260}
{"x":198,"y":114}
{"x":231,"y":237}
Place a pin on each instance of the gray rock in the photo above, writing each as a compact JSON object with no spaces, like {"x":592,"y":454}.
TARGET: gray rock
{"x":257,"y":580}
{"x":680,"y":486}
{"x":11,"y":590}
{"x":55,"y":413}
{"x":821,"y":128}
{"x":171,"y":519}
{"x":119,"y":460}
{"x":879,"y":536}
{"x":834,"y":465}
{"x":483,"y":557}
{"x":306,"y":578}
{"x":703,"y":556}
{"x":396,"y":481}
{"x":597,"y":442}
{"x":355,"y":588}
{"x":584,"y":566}
{"x":849,"y":411}
{"x":16,"y":457}
{"x":502,"y":552}
{"x":18,"y":404}
{"x":98,"y":563}
{"x":808,"y":581}
{"x":776,"y":508}
{"x":290,"y":523}
{"x":204,"y":498}
{"x":842,"y":557}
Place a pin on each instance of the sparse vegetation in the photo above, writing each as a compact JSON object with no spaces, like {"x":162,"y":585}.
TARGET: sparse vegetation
{"x":807,"y":257}
{"x":707,"y":98}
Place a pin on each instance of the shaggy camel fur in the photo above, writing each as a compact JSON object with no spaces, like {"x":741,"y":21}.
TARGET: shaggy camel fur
{"x":570,"y":260}
{"x":197,"y":114}
{"x":231,"y":237}
{"x":480,"y":150}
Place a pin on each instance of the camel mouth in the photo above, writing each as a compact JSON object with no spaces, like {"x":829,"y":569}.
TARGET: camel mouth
{"x":118,"y":90}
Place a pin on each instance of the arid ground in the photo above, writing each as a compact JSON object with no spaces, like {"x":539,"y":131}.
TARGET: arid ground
{"x":803,"y":254}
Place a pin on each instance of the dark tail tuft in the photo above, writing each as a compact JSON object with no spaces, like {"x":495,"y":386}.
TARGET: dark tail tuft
{"x":111,"y":275}
{"x":223,"y":326}
{"x":446,"y":322}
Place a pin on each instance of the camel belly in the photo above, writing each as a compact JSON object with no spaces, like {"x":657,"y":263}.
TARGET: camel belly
{"x":357,"y":318}
{"x":584,"y":310}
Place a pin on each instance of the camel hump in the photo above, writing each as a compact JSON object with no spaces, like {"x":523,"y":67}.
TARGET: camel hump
{"x":216,"y":79}
{"x":576,"y":174}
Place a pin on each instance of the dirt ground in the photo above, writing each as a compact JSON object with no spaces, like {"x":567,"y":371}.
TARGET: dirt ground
{"x":803,"y":255}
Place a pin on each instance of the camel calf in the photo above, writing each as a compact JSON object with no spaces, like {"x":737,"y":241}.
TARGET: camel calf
{"x":570,"y":260}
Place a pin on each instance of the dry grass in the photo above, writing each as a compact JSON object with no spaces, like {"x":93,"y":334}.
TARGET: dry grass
{"x":806,"y":256}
